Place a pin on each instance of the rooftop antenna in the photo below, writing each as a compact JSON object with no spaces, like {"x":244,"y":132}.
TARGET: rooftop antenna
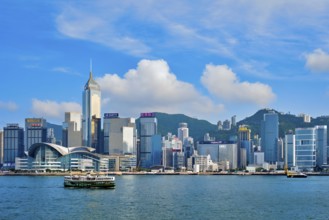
{"x":91,"y":65}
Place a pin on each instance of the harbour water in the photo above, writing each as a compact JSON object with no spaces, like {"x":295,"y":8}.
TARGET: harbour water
{"x":167,"y":197}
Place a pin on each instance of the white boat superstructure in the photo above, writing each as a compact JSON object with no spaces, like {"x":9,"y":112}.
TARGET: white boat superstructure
{"x":89,"y":181}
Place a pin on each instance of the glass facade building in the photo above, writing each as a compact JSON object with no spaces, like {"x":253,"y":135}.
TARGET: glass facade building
{"x":13,"y":143}
{"x":183,"y":132}
{"x":1,"y":148}
{"x":35,"y":131}
{"x":47,"y":156}
{"x":147,"y":128}
{"x":289,"y":142}
{"x":91,"y":111}
{"x":269,"y":136}
{"x":305,"y":148}
{"x":321,"y":145}
{"x":220,"y":152}
{"x":244,"y":145}
{"x":209,"y":148}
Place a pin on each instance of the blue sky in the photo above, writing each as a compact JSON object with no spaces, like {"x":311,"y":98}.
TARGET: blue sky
{"x":206,"y":59}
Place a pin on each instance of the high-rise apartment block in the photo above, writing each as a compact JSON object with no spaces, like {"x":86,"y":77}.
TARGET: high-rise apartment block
{"x":91,"y":113}
{"x":269,"y":136}
{"x":13,"y":143}
{"x":120,"y":135}
{"x":72,"y":129}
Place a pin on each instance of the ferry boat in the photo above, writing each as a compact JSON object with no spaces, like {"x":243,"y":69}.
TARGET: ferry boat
{"x":89,"y":181}
{"x":296,"y":174}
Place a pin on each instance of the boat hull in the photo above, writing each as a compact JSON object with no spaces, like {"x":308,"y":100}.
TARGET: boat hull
{"x":296,"y":175}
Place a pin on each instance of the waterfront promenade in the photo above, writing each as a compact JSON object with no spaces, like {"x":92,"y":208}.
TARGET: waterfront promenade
{"x":239,"y":173}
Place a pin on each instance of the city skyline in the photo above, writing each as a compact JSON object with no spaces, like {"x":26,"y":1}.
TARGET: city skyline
{"x":209,"y":60}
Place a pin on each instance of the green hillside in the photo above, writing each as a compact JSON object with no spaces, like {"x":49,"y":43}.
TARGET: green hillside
{"x":170,"y":123}
{"x":286,"y":122}
{"x":198,"y":128}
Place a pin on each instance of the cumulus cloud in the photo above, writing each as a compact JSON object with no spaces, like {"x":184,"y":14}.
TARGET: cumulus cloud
{"x":152,"y":87}
{"x":318,"y":61}
{"x":53,"y":109}
{"x":222,"y":82}
{"x":9,"y":106}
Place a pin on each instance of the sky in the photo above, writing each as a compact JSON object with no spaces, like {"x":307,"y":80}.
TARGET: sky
{"x":205,"y":59}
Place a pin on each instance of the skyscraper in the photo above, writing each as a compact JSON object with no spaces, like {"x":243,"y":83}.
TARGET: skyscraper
{"x":305,"y":148}
{"x":269,"y":136}
{"x":147,"y":129}
{"x":72,"y":129}
{"x":13,"y":144}
{"x":35,"y":131}
{"x":119,"y":134}
{"x":290,"y":146}
{"x":1,"y":147}
{"x":183,"y":132}
{"x":311,"y":147}
{"x":244,"y":147}
{"x":321,"y":145}
{"x":91,"y":111}
{"x":233,"y":120}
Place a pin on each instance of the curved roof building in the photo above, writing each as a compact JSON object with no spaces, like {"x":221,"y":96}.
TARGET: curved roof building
{"x":62,"y":151}
{"x":55,"y":157}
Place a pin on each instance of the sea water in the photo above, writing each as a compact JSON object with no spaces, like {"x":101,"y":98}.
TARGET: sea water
{"x":167,"y":197}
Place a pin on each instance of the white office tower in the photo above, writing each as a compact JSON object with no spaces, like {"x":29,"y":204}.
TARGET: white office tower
{"x":305,"y":148}
{"x":91,"y":111}
{"x":182,"y":132}
{"x":72,"y":129}
{"x":119,"y":135}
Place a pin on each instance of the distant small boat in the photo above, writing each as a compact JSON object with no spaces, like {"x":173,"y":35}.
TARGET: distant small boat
{"x":295,"y":174}
{"x":89,"y":181}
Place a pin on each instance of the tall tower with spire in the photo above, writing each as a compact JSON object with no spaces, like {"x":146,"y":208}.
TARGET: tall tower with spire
{"x":91,"y":113}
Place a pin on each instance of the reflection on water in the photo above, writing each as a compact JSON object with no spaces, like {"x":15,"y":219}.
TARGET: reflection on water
{"x":167,"y":197}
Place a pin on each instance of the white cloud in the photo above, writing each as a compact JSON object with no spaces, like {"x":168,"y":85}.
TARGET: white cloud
{"x":152,"y":87}
{"x":223,"y":83}
{"x":9,"y":106}
{"x":82,"y":24}
{"x":318,"y":61}
{"x":65,"y":70}
{"x":61,"y":69}
{"x":53,"y":109}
